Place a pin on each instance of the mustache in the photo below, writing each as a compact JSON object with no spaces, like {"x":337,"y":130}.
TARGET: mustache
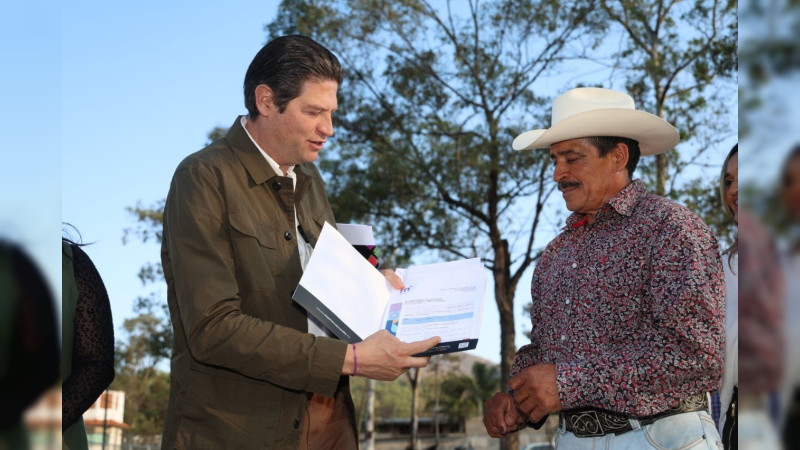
{"x":567,"y":184}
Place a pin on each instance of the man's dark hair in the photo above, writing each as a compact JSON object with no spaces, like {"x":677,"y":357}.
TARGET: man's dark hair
{"x":606,"y":143}
{"x":285,"y":64}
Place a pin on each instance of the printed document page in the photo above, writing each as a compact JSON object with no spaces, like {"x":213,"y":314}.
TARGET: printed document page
{"x":444,"y":299}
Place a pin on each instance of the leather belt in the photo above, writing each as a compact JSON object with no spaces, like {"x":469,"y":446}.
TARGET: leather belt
{"x":593,"y":422}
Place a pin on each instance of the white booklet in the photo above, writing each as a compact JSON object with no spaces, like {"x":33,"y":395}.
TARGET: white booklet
{"x":353,"y":300}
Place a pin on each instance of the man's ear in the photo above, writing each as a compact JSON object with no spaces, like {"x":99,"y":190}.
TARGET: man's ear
{"x":621,"y":155}
{"x":264,"y":100}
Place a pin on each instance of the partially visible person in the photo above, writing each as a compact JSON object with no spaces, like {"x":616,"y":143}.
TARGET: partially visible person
{"x":727,"y":395}
{"x":28,"y":341}
{"x":761,"y":334}
{"x":87,"y":351}
{"x":789,"y":190}
{"x":627,"y":301}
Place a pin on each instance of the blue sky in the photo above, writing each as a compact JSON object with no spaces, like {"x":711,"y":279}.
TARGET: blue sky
{"x":101,"y":100}
{"x":30,"y":126}
{"x":143,"y":83}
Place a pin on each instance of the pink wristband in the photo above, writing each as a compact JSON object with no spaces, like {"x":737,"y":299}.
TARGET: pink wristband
{"x":355,"y":360}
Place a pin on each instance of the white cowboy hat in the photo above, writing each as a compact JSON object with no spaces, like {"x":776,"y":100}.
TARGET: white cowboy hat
{"x":589,"y":112}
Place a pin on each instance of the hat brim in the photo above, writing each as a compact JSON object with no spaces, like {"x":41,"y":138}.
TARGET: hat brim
{"x":654,"y":134}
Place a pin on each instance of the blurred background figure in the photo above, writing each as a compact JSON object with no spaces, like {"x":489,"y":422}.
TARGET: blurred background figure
{"x":790,"y":200}
{"x":790,"y":196}
{"x":769,"y":111}
{"x":87,"y":364}
{"x":28,"y":342}
{"x":761,"y":347}
{"x":726,"y":416}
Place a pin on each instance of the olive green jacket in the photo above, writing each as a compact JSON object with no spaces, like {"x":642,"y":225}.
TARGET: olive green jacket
{"x":243,"y":363}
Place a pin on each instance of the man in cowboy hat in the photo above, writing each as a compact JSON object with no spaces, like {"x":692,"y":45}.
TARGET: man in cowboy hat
{"x":627,"y":302}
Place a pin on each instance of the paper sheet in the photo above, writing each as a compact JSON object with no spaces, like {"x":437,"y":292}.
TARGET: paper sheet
{"x":351,"y":288}
{"x":443,"y":300}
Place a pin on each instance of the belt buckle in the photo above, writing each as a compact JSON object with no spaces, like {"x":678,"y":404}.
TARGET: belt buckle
{"x":586,"y":424}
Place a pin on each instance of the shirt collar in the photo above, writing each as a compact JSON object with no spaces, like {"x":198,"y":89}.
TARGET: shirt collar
{"x":277,"y":168}
{"x":623,"y":203}
{"x":626,"y":200}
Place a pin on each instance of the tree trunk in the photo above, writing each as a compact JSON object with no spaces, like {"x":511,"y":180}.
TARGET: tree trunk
{"x":436,"y":407}
{"x":504,"y":296}
{"x":414,"y":380}
{"x":661,"y":174}
{"x":369,"y":416}
{"x":662,"y":165}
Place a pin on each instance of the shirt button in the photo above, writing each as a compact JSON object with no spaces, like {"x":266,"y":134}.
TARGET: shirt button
{"x":296,"y":423}
{"x":563,"y":337}
{"x":287,"y":235}
{"x":276,"y":186}
{"x":574,"y":265}
{"x":566,"y":301}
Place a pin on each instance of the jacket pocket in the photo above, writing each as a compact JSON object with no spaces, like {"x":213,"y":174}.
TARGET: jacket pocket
{"x":258,"y":256}
{"x":262,"y":232}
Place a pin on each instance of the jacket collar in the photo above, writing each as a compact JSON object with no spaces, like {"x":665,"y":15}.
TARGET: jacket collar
{"x":252,"y":159}
{"x":255,"y":164}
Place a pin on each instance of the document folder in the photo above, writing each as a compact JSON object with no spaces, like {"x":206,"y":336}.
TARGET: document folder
{"x":353,"y":300}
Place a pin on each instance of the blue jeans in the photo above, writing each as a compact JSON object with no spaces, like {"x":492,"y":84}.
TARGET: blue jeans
{"x":693,"y":430}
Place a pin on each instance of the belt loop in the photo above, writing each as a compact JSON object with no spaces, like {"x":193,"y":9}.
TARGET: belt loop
{"x":635,"y":424}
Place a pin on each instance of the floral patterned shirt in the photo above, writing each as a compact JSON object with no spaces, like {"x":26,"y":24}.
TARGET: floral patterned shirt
{"x":631,"y":308}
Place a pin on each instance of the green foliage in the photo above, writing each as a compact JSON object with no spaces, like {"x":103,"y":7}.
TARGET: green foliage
{"x":768,"y":54}
{"x":458,"y":397}
{"x":461,"y":396}
{"x":486,"y":379}
{"x":148,"y":222}
{"x":392,"y":398}
{"x":147,"y":342}
{"x":216,"y":134}
{"x":146,"y":399}
{"x":672,"y":56}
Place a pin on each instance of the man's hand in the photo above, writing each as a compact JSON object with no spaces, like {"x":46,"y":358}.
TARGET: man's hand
{"x":536,"y":391}
{"x":393,"y":278}
{"x":500,"y":416}
{"x":383,"y":357}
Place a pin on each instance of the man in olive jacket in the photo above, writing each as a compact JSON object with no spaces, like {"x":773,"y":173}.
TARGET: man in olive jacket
{"x":250,"y":369}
